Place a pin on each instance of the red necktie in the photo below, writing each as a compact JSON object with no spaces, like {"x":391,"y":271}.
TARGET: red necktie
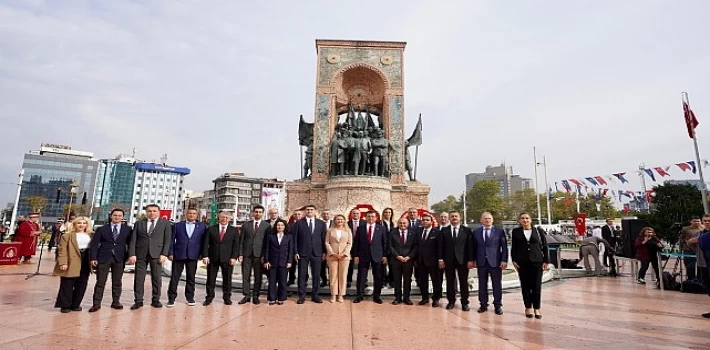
{"x":221,"y":234}
{"x":369,"y":234}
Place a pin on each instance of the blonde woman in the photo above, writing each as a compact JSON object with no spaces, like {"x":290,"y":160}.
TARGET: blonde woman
{"x":73,"y":264}
{"x":338,"y":242}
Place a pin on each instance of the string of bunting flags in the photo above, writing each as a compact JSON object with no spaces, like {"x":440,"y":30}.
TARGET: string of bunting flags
{"x":601,"y":185}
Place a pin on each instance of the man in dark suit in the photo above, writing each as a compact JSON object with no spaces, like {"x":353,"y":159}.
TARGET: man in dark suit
{"x":491,"y":257}
{"x":309,"y":241}
{"x":220,"y":251}
{"x":297,"y":215}
{"x":609,"y":235}
{"x":403,"y":247}
{"x":354,"y":223}
{"x":149,"y":245}
{"x":108,"y":252}
{"x":369,"y":250}
{"x":413,"y":219}
{"x":185,"y":251}
{"x":455,"y":258}
{"x":325,"y":216}
{"x":253,"y":237}
{"x":427,"y":263}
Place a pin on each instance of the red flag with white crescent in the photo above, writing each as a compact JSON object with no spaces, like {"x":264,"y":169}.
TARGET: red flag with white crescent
{"x":580,"y":223}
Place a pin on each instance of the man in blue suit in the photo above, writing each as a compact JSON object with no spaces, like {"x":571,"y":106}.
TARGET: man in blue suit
{"x":491,"y":258}
{"x":107,"y":251}
{"x":369,"y":247}
{"x":309,"y":234}
{"x":185,"y":251}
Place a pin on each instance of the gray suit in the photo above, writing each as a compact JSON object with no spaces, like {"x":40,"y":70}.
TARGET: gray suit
{"x":590,"y":246}
{"x":250,"y":249}
{"x":147,"y":247}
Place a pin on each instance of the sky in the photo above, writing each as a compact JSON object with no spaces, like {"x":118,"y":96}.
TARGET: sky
{"x":218,"y":86}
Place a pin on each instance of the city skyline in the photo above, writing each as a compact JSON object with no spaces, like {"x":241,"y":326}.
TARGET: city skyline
{"x":595,"y":87}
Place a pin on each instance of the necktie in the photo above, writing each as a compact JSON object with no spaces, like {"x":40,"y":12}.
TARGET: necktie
{"x":310,"y":225}
{"x":256,"y":226}
{"x":401,"y":236}
{"x":369,"y":234}
{"x":115,"y":232}
{"x":411,"y":223}
{"x":426,"y":234}
{"x":222,"y":233}
{"x":455,"y":233}
{"x":152,"y":227}
{"x":485,"y":239}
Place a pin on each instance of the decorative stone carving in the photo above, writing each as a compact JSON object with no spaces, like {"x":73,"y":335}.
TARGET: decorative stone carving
{"x":396,"y":122}
{"x":322,"y":133}
{"x":333,"y":58}
{"x":386,"y":60}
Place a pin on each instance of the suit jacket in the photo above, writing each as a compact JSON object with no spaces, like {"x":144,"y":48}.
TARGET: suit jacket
{"x":417,"y":224}
{"x":183,"y":247}
{"x":103,"y":247}
{"x":535,"y":250}
{"x":354,"y":229}
{"x":307,"y":243}
{"x":494,"y":251}
{"x":608,"y":235}
{"x":409,"y":249}
{"x":221,"y":251}
{"x":365,"y":250}
{"x":68,"y":254}
{"x":333,"y":245}
{"x":252,"y":242}
{"x":275,"y":253}
{"x":428,"y":254}
{"x":153,"y":245}
{"x":328,"y":224}
{"x":388,"y":225}
{"x":458,"y":250}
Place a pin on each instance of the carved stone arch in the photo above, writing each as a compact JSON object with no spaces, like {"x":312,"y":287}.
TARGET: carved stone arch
{"x":361,"y":84}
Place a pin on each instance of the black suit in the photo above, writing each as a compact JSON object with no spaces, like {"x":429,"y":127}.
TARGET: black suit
{"x":250,"y":249}
{"x":428,"y":263}
{"x":456,"y":254}
{"x":351,"y":267}
{"x":407,"y":248}
{"x":309,"y":244}
{"x":111,"y":254}
{"x":529,"y":255}
{"x":220,"y":252}
{"x":147,"y":246}
{"x":609,"y":236}
{"x":387,"y":276}
{"x":370,"y":254}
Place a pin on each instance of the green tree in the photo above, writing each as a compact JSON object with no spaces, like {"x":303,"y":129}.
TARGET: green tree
{"x":77,"y":209}
{"x":485,"y":196}
{"x":449,"y":204}
{"x":519,"y":202}
{"x":36,"y":203}
{"x":674,"y":204}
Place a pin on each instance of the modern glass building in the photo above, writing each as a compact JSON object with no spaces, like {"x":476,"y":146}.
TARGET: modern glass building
{"x":50,"y":172}
{"x":114,"y":187}
{"x":158,"y":184}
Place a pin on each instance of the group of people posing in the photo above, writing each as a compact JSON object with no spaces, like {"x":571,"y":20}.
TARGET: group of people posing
{"x":409,"y":246}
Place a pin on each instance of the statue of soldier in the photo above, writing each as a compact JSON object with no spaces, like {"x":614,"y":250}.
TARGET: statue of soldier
{"x":366,"y":148}
{"x":408,"y":161}
{"x":380,"y":148}
{"x":337,"y":155}
{"x":360,"y":123}
{"x":309,"y":158}
{"x":356,"y":149}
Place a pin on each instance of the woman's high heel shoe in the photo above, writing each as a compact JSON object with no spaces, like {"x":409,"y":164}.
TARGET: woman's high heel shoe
{"x":528,"y":313}
{"x":538,"y":314}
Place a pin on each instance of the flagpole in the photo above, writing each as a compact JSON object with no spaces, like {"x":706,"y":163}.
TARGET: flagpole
{"x":537,"y":188}
{"x":547,"y":186}
{"x":576,"y":198}
{"x":703,"y":186}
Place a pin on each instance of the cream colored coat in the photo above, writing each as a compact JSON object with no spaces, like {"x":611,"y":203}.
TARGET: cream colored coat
{"x":70,"y":255}
{"x":333,"y":245}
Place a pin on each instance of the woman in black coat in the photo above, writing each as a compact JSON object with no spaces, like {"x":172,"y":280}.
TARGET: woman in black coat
{"x":530,"y":258}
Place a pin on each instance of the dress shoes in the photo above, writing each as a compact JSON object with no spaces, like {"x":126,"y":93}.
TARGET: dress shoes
{"x":707,"y":315}
{"x":256,"y":301}
{"x":499,"y":311}
{"x":244,"y":300}
{"x":529,"y":313}
{"x":396,"y":302}
{"x":300,"y":301}
{"x":65,"y":311}
{"x":377,"y":300}
{"x":156,"y":304}
{"x":423,"y":302}
{"x":272,"y":302}
{"x":482,"y":309}
{"x":357,"y":299}
{"x":435,"y":303}
{"x":78,"y":308}
{"x":316,"y":299}
{"x":117,"y":306}
{"x":95,"y":308}
{"x":136,"y":306}
{"x":279,"y":302}
{"x":227,"y":301}
{"x":465,"y":308}
{"x":408,"y":302}
{"x":207,"y":303}
{"x":538,"y":314}
{"x":449,"y":306}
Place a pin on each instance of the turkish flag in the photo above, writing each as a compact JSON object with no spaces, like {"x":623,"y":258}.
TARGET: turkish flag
{"x":580,"y":223}
{"x":166,"y":214}
{"x":690,"y":121}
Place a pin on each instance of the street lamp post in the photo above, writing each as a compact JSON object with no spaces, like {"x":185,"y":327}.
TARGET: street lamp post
{"x":72,"y":193}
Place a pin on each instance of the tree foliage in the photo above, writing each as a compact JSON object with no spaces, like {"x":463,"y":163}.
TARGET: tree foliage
{"x":674,"y":204}
{"x":449,"y":204}
{"x":36,"y":203}
{"x":77,"y":209}
{"x":483,"y":197}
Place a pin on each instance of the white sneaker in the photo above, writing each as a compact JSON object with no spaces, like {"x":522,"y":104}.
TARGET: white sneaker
{"x":190,"y":303}
{"x":170,"y":304}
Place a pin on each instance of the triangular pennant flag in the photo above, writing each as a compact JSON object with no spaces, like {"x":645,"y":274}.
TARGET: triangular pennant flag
{"x":591,"y":181}
{"x":600,"y":180}
{"x":683,"y":166}
{"x":692,"y":165}
{"x":566,"y":185}
{"x":577,"y":183}
{"x":621,"y":177}
{"x":650,"y":174}
{"x":661,"y":172}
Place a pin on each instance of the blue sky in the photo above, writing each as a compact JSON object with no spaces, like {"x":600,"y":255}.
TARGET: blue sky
{"x":219,"y":85}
